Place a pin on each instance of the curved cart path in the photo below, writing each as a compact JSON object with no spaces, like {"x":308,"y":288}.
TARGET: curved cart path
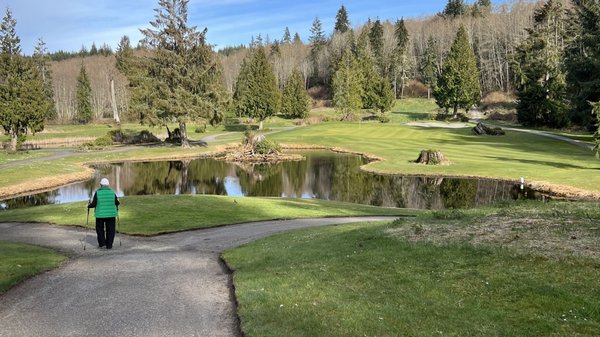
{"x":168,"y":285}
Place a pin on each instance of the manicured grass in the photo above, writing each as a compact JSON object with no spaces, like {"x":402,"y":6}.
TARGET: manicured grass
{"x":6,"y":157}
{"x":75,"y":131}
{"x":509,"y":157}
{"x":149,"y":215}
{"x":20,"y":261}
{"x":363,"y":280}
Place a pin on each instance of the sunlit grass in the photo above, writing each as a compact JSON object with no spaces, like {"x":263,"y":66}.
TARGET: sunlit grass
{"x":149,"y":215}
{"x":20,"y":261}
{"x":359,"y":280}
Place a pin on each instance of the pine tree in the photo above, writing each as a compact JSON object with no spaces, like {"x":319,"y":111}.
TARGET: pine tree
{"x":596,"y":111}
{"x":84,"y":97}
{"x":297,"y":39}
{"x":347,"y":88}
{"x":368,"y":73}
{"x":376,"y":41}
{"x":24,"y":104}
{"x":583,"y":61}
{"x":317,"y":44}
{"x":539,"y":68}
{"x":342,"y":24}
{"x":40,"y":58}
{"x":294,"y":101}
{"x":401,"y":63}
{"x":287,"y":38}
{"x":185,"y":72}
{"x":429,"y":66}
{"x":454,"y":8}
{"x":256,"y":94}
{"x":458,"y":84}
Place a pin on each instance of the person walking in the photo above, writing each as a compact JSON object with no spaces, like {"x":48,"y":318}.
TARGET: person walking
{"x":106,"y":205}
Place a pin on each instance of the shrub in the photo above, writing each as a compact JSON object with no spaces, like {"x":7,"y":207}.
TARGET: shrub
{"x":384,"y":119}
{"x":267,"y":146}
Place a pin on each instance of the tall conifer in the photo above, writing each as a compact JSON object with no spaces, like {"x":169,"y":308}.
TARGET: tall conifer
{"x":540,"y":72}
{"x":24,"y":103}
{"x":84,"y":97}
{"x":294,"y":101}
{"x":458,"y":84}
{"x":185,"y":71}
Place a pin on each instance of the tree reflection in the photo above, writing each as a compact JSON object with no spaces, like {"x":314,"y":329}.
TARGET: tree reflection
{"x":321,"y":175}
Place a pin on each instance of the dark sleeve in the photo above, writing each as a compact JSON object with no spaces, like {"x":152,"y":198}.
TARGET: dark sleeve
{"x":117,"y":203}
{"x":94,"y":201}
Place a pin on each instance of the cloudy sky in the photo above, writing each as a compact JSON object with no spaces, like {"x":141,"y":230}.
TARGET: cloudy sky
{"x":69,"y":24}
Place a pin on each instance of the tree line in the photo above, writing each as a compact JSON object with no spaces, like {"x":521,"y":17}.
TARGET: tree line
{"x":544,"y":53}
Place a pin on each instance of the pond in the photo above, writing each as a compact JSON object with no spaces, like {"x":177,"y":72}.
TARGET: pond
{"x":323,"y":175}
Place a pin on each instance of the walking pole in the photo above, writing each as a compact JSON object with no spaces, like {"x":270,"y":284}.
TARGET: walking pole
{"x":87,"y":220}
{"x":118,"y":228}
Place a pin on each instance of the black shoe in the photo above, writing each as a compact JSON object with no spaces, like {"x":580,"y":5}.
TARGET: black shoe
{"x":100,"y":246}
{"x":107,"y":247}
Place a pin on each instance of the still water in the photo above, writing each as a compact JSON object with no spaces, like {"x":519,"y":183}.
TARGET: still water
{"x":323,"y":175}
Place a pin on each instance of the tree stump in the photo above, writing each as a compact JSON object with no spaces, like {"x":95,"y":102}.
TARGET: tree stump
{"x":432,"y":157}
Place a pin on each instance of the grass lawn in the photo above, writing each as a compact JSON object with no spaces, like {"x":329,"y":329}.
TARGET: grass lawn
{"x":20,"y":261}
{"x":77,"y":131}
{"x":370,"y":279}
{"x":149,"y":215}
{"x":510,"y":157}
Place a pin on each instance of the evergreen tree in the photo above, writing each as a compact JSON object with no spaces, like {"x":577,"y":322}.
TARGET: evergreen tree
{"x":317,"y":44}
{"x":401,"y":63}
{"x":429,"y":65}
{"x":583,"y":61}
{"x":369,"y":77}
{"x":376,"y":41}
{"x":257,"y":94}
{"x":347,"y":88}
{"x":454,"y":8}
{"x":539,"y":68}
{"x":458,"y":84}
{"x":385,"y":95}
{"x":294,"y":101}
{"x":24,"y":104}
{"x":342,"y":24}
{"x":84,"y":97}
{"x":93,"y":49}
{"x":297,"y":39}
{"x":596,"y":111}
{"x":287,"y":38}
{"x":40,"y":58}
{"x":184,"y":70}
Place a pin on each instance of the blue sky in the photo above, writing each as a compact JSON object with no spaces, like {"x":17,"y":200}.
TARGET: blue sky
{"x":69,"y":24}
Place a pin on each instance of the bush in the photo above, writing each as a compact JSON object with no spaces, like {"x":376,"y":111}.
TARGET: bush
{"x":267,"y":146}
{"x":384,"y":119}
{"x":200,"y":128}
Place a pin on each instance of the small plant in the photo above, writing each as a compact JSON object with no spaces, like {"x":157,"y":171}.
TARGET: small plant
{"x":267,"y":146}
{"x":200,"y":128}
{"x":384,"y":119}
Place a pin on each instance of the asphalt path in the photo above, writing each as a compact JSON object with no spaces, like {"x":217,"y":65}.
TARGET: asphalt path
{"x":167,"y":285}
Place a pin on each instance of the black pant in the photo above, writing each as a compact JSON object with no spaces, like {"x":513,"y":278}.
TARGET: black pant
{"x":105,"y":238}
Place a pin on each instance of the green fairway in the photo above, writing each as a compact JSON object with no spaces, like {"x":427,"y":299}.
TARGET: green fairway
{"x":150,"y":215}
{"x":509,"y":157}
{"x":20,"y":261}
{"x":372,"y":279}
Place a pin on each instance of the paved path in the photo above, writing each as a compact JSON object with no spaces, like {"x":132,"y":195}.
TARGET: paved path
{"x":168,"y":285}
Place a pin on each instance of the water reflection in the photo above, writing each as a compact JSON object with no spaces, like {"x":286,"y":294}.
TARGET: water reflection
{"x":322,"y":176}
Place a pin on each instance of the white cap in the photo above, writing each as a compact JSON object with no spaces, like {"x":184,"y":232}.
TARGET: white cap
{"x":104,"y":182}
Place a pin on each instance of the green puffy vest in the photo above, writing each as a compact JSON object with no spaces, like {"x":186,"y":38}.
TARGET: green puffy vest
{"x":105,"y":203}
